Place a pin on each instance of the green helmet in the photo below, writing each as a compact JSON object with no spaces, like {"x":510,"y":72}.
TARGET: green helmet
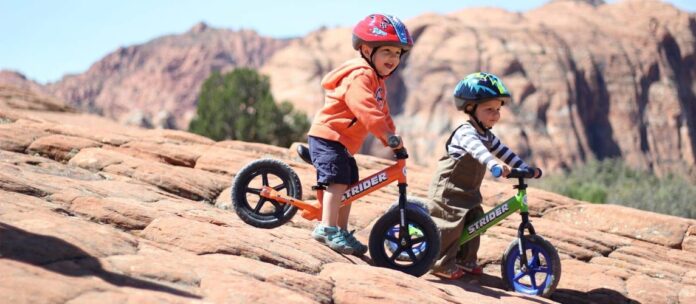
{"x":479,"y":87}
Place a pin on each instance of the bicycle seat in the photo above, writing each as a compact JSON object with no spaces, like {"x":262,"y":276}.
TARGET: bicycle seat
{"x":303,"y":152}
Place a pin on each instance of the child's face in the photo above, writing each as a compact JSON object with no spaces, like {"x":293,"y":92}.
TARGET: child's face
{"x":489,"y":112}
{"x":386,"y":59}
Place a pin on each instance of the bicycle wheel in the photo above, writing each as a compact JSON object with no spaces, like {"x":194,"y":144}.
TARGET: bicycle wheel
{"x":414,"y":253}
{"x":256,"y":210}
{"x":543,"y":269}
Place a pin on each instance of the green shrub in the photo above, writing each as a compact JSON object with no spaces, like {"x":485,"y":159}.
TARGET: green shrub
{"x":610,"y":181}
{"x":239,"y":105}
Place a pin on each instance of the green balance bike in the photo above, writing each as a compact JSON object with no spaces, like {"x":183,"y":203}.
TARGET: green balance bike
{"x":530,"y":265}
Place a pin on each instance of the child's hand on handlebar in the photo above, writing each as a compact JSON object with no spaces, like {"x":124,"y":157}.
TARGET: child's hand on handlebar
{"x":537,"y":173}
{"x":506,"y":170}
{"x":394,"y":141}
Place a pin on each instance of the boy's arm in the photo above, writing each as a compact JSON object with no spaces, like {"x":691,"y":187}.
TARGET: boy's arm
{"x":504,"y":153}
{"x":465,"y":141}
{"x":362,"y":102}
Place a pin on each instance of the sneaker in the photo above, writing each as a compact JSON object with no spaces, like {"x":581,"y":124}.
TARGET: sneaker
{"x":470,"y":267}
{"x":332,"y":237}
{"x":359,"y":248}
{"x":452,"y":273}
{"x":319,"y":233}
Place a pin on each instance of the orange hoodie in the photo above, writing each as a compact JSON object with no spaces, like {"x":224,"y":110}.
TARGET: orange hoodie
{"x":355,"y":103}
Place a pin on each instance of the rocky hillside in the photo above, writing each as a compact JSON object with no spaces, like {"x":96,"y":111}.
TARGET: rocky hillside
{"x":94,"y":211}
{"x":589,"y":80}
{"x":157,"y":83}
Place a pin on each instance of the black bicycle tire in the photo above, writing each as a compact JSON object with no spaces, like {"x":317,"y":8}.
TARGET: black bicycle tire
{"x":240,"y":187}
{"x":389,"y":219}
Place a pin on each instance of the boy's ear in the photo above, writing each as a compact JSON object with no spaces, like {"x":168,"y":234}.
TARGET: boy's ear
{"x":365,"y":50}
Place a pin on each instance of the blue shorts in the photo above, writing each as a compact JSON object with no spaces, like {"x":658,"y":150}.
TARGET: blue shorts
{"x":333,"y":162}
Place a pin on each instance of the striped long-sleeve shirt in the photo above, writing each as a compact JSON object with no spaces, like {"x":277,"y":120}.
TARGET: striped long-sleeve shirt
{"x":466,"y":140}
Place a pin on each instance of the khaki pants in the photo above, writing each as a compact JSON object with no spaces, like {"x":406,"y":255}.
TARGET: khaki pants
{"x":451,"y":219}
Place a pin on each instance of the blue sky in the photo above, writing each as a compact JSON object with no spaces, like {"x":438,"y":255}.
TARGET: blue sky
{"x":45,"y":39}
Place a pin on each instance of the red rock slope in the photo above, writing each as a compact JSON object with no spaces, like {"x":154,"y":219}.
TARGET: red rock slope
{"x":93,"y":212}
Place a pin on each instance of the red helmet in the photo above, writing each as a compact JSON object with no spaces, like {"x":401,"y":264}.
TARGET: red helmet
{"x":380,"y":30}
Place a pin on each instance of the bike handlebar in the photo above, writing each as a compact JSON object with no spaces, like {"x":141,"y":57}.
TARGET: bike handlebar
{"x":528,"y":172}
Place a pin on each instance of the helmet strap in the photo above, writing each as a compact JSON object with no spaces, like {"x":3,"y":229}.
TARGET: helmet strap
{"x":472,"y":113}
{"x":480,"y":124}
{"x":369,"y":60}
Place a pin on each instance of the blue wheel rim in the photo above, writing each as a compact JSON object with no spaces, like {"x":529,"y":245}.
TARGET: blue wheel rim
{"x":538,"y":275}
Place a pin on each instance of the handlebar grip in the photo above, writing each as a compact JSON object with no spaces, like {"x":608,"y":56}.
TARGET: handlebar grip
{"x":523,"y":173}
{"x":394,"y":141}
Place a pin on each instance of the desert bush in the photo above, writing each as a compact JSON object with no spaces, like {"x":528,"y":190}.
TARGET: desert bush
{"x":611,"y":181}
{"x":239,"y":105}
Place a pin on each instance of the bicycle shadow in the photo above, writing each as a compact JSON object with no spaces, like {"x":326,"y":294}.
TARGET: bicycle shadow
{"x":494,"y":286}
{"x":61,"y":257}
{"x":599,"y":295}
{"x":487,"y":285}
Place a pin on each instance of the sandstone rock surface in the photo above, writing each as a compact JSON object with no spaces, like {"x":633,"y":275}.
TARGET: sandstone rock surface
{"x":135,"y":215}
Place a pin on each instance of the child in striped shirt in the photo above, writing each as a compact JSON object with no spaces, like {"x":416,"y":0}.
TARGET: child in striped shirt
{"x":471,"y":150}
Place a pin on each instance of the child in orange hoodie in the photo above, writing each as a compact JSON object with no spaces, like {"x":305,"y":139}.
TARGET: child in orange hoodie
{"x":355,"y":104}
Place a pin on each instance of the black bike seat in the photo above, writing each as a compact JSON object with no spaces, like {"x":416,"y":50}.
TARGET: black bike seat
{"x":303,"y":152}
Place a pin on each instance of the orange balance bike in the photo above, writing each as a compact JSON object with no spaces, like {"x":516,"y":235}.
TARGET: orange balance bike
{"x":267,"y":193}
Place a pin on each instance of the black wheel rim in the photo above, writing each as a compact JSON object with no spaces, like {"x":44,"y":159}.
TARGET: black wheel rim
{"x":258,"y":208}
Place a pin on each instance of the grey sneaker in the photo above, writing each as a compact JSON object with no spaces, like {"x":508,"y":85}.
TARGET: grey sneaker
{"x":319,"y":233}
{"x":333,"y":237}
{"x":359,"y":248}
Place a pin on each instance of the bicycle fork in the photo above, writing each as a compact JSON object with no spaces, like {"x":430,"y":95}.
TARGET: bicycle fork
{"x":526,"y":224}
{"x":403,"y":226}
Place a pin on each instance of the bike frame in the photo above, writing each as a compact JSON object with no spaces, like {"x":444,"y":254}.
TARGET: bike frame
{"x":500,"y":212}
{"x":312,"y":211}
{"x":495,"y":216}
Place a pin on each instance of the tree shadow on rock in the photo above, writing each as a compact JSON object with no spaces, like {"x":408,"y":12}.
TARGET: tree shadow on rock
{"x":487,"y":285}
{"x":59,"y":256}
